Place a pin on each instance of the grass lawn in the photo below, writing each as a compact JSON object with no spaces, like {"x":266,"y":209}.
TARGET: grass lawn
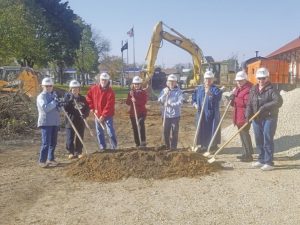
{"x":121,"y":92}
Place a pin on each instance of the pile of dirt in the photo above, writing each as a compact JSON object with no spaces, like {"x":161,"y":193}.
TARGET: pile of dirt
{"x":17,"y":115}
{"x":146,"y":164}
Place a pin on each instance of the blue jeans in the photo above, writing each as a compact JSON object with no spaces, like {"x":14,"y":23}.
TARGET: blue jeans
{"x":264,"y":131}
{"x":110,"y":131}
{"x":49,"y":141}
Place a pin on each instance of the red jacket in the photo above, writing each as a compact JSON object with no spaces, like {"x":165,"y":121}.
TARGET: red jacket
{"x":102,"y":100}
{"x":240,"y":103}
{"x":140,"y":102}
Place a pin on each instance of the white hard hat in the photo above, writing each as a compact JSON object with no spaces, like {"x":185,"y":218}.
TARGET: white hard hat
{"x":262,"y":72}
{"x":104,"y":76}
{"x":172,"y":77}
{"x":74,"y":83}
{"x":208,"y":74}
{"x":241,"y":75}
{"x":47,"y":81}
{"x":137,"y":80}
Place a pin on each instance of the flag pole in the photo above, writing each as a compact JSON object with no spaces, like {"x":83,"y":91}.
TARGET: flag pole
{"x":133,"y":50}
{"x":122,"y":80}
{"x":127,"y":55}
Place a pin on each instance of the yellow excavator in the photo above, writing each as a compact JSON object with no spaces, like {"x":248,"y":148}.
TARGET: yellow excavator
{"x":14,"y":79}
{"x":179,"y":40}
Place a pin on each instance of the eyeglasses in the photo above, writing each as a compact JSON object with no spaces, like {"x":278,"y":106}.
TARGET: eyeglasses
{"x":261,"y":78}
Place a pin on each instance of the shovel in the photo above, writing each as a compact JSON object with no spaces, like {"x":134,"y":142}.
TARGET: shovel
{"x":137,"y":122}
{"x":164,"y":120}
{"x":195,"y":147}
{"x":85,"y":122}
{"x":104,"y":130}
{"x":211,"y":160}
{"x":206,"y":154}
{"x":74,"y":128}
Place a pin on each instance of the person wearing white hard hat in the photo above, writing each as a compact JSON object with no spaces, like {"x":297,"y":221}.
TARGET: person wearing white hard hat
{"x":211,"y":112}
{"x":48,"y":122}
{"x":239,"y":99}
{"x":266,"y":99}
{"x":171,"y":100}
{"x":101,"y":101}
{"x":139,"y":97}
{"x":75,"y":102}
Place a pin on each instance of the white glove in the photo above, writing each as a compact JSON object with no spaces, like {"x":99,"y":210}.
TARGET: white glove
{"x":195,"y":105}
{"x":222,"y":88}
{"x":166,"y":90}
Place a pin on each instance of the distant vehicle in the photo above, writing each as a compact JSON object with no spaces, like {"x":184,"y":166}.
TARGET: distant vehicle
{"x":13,"y":79}
{"x":179,"y":40}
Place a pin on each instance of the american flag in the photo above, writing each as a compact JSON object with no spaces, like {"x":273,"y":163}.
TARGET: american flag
{"x":130,"y":32}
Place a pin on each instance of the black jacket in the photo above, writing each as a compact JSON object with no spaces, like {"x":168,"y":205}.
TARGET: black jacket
{"x":73,"y":112}
{"x":268,"y":100}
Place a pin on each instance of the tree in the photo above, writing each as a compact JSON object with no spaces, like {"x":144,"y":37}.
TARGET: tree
{"x":87,"y":55}
{"x":20,"y":31}
{"x":113,"y":65}
{"x":102,"y":45}
{"x":64,"y":34}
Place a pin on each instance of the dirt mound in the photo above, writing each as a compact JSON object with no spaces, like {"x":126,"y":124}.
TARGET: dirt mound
{"x":146,"y":164}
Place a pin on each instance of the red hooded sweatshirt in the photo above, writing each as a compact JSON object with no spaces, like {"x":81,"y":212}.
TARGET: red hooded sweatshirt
{"x":102,"y":100}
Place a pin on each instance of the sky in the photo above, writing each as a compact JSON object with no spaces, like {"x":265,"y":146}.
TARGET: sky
{"x":221,"y":28}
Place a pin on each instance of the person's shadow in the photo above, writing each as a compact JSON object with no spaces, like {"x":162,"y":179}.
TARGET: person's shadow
{"x":281,"y":144}
{"x":286,"y":142}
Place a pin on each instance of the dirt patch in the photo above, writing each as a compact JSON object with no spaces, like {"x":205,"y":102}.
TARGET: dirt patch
{"x":146,"y":164}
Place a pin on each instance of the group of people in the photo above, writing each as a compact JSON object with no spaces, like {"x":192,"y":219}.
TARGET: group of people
{"x":260,"y":105}
{"x":246,"y":99}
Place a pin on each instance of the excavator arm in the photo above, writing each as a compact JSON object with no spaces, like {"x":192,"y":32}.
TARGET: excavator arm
{"x":179,"y":40}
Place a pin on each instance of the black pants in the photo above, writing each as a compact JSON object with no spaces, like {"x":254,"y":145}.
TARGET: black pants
{"x":246,"y":140}
{"x":141,"y":120}
{"x":74,"y":145}
{"x":171,"y":130}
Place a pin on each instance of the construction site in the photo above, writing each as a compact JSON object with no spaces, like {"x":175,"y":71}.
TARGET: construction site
{"x":150,"y":183}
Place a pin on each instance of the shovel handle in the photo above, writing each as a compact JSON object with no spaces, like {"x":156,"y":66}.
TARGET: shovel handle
{"x":137,"y":122}
{"x":85,"y":122}
{"x":239,"y":130}
{"x":199,"y":120}
{"x":218,"y":127}
{"x":74,"y":128}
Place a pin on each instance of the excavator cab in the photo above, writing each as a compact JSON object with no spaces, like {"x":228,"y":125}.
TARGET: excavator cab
{"x":159,"y":34}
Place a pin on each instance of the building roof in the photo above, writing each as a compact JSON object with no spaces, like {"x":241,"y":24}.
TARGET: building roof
{"x":291,"y":46}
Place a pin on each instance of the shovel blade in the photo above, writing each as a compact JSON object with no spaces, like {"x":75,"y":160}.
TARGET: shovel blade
{"x":206,"y":154}
{"x":194,"y":148}
{"x":211,"y":160}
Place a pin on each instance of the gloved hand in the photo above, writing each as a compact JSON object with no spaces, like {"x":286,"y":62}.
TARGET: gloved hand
{"x":61,"y":104}
{"x":68,"y":97}
{"x":166,"y":90}
{"x":262,"y":108}
{"x":196,"y":106}
{"x":222,"y":88}
{"x":231,"y":97}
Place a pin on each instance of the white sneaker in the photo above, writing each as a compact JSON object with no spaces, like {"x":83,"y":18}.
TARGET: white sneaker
{"x":71,"y":156}
{"x":80,"y":156}
{"x":267,"y":167}
{"x":43,"y":165}
{"x":52,"y":163}
{"x":257,"y":164}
